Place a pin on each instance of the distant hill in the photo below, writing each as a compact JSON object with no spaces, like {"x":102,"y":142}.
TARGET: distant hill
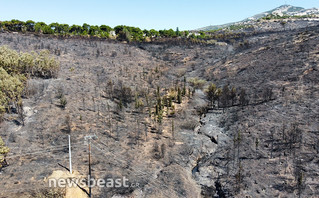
{"x":281,"y":10}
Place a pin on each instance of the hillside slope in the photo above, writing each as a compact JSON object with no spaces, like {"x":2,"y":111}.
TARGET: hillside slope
{"x":268,"y":148}
{"x":265,"y":148}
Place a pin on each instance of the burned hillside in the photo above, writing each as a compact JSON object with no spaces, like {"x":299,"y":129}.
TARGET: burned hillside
{"x":149,"y":109}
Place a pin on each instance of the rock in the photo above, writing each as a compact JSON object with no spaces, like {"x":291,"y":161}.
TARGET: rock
{"x":28,"y":111}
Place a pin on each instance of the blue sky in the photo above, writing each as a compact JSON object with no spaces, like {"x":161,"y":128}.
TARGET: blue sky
{"x":146,"y":14}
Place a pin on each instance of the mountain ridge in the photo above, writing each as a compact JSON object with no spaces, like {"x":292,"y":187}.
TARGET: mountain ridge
{"x":281,"y":11}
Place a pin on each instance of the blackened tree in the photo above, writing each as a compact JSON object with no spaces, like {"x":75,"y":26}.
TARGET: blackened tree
{"x":243,"y":100}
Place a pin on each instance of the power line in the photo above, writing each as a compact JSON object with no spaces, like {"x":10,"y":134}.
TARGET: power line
{"x":40,"y":151}
{"x":40,"y":148}
{"x":141,"y":173}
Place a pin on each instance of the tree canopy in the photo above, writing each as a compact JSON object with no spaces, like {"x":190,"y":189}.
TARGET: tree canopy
{"x":122,"y":32}
{"x":16,"y":67}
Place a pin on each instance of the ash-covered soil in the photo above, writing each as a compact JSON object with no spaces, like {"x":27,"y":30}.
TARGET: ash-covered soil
{"x":266,"y":148}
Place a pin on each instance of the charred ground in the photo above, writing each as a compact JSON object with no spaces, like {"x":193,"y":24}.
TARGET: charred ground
{"x":266,"y":146}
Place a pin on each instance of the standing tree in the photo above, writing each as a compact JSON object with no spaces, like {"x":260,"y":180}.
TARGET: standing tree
{"x":153,"y":34}
{"x":125,"y":35}
{"x":232,"y":95}
{"x":105,"y":28}
{"x":186,"y":33}
{"x":184,"y":87}
{"x":85,"y":28}
{"x":55,"y":27}
{"x":38,"y":26}
{"x":299,"y":176}
{"x":267,"y":94}
{"x":146,"y":33}
{"x":243,"y":101}
{"x":179,"y":95}
{"x":225,"y":96}
{"x":20,"y":111}
{"x":210,"y":93}
{"x":178,"y":33}
{"x":217,"y":95}
{"x":30,"y":25}
{"x":75,"y":29}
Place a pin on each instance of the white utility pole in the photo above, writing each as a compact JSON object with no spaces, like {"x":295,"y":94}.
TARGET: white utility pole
{"x":70,"y":156}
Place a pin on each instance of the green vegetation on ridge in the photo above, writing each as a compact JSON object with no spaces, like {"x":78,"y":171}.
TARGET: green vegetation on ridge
{"x":120,"y":32}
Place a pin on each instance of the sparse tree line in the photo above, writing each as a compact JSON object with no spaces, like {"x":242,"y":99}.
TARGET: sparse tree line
{"x":229,"y":96}
{"x":288,"y":140}
{"x":283,"y":141}
{"x":120,"y":32}
{"x":226,"y":96}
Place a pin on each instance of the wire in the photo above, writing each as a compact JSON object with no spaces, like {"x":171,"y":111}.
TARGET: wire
{"x":141,"y":173}
{"x":30,"y":149}
{"x":49,"y":146}
{"x":41,"y":151}
{"x":116,"y":158}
